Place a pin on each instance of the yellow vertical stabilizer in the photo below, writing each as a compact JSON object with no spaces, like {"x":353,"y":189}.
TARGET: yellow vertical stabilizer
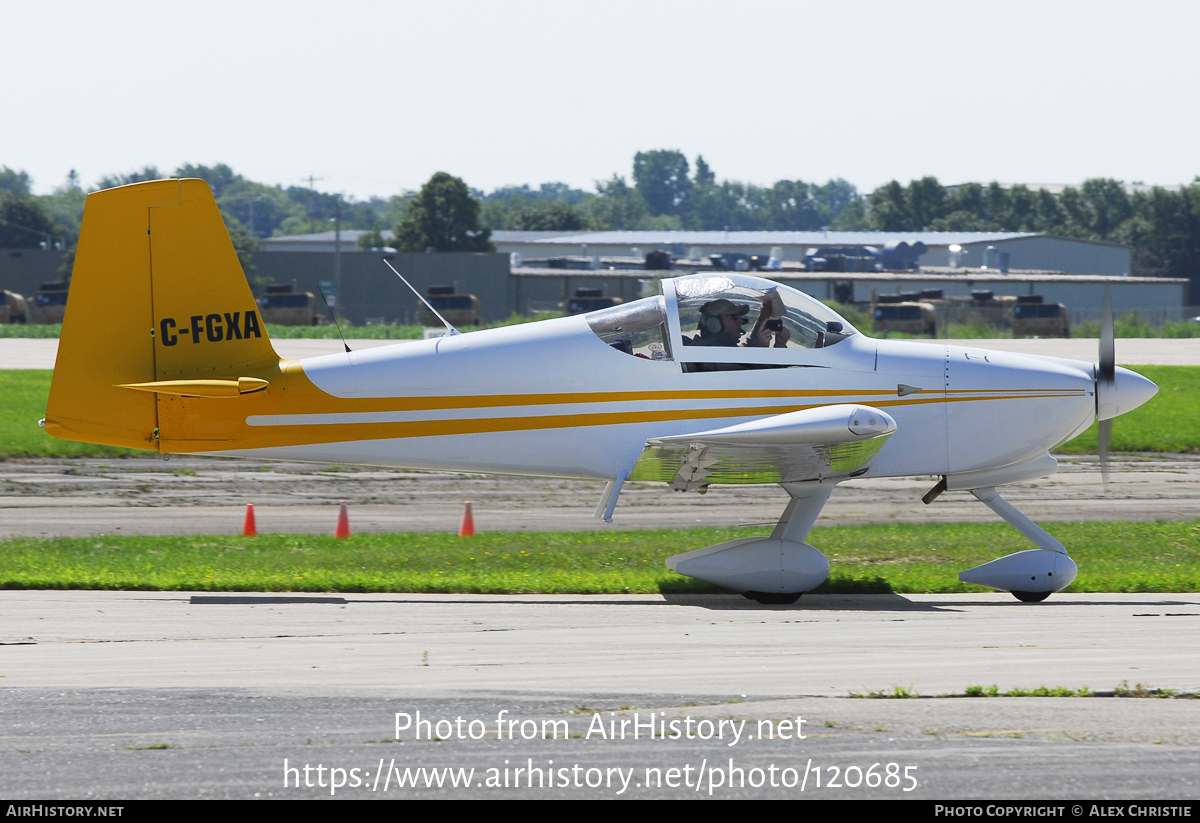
{"x":157,"y":296}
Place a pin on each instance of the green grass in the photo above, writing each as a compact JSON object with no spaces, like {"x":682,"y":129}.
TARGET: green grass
{"x":896,"y":693}
{"x":1122,"y":689}
{"x":952,"y":331}
{"x":330,"y":332}
{"x":1134,"y":325}
{"x":24,"y":393}
{"x":1112,"y":557}
{"x":1170,"y":422}
{"x":30,"y":330}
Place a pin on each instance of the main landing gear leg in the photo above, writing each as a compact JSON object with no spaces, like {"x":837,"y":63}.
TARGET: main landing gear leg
{"x":807,"y":500}
{"x":775,"y":569}
{"x":1031,"y":576}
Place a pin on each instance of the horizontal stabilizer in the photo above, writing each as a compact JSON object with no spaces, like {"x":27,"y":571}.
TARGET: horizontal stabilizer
{"x":201,"y":388}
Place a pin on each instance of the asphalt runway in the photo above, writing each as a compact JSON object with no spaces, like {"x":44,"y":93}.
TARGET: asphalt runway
{"x":170,"y":694}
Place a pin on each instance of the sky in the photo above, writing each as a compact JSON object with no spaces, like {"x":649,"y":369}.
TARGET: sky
{"x":374,"y":97}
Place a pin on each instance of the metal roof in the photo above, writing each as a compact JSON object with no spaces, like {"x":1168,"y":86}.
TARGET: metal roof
{"x":761,"y":238}
{"x":511,"y":236}
{"x":348,"y":236}
{"x":969,"y":276}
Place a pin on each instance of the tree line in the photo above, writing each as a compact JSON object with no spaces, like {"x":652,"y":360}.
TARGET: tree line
{"x":663,"y":192}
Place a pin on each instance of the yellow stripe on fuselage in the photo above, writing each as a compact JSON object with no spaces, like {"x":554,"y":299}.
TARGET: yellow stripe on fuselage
{"x":214,"y":424}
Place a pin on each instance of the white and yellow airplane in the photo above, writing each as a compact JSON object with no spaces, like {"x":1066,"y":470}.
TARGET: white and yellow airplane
{"x":163,"y":349}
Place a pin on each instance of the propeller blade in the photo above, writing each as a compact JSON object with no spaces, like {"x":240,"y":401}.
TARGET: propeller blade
{"x":1105,"y":434}
{"x":1108,"y":351}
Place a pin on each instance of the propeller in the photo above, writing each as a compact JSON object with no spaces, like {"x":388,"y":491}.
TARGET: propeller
{"x":1106,"y":378}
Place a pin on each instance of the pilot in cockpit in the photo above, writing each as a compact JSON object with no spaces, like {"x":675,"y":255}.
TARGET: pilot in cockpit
{"x":721,"y":324}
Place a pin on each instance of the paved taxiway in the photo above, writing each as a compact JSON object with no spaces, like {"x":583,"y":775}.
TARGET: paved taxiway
{"x":71,"y":498}
{"x":228,"y":686}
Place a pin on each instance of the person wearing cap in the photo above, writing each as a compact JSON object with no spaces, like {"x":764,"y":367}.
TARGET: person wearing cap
{"x":721,"y":324}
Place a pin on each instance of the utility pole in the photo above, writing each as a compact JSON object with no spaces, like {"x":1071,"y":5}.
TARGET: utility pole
{"x":312,"y":208}
{"x":337,"y":251}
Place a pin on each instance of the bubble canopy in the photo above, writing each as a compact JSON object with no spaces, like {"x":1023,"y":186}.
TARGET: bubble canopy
{"x":809,"y":322}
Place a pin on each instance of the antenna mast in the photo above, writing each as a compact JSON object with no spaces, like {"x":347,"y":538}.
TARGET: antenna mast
{"x":449,"y":329}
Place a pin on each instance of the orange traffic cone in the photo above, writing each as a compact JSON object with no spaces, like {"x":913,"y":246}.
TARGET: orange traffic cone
{"x":248,"y":527}
{"x":343,"y":524}
{"x":467,"y":529}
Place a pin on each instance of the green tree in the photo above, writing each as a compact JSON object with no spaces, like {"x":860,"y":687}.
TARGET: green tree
{"x":833,"y":198}
{"x":617,"y":205}
{"x":219,"y":177}
{"x":789,"y":206}
{"x":1107,"y":206}
{"x":851,"y":217}
{"x":443,"y":216}
{"x":961,"y":220}
{"x":14,"y":181}
{"x":143,"y":174}
{"x":550,"y":216}
{"x":1021,"y":214}
{"x":371,"y":239}
{"x":888,"y":208}
{"x":967,"y":198}
{"x":661,"y":177}
{"x":24,"y":224}
{"x":926,"y":202}
{"x":245,"y":244}
{"x":64,"y":207}
{"x":1172,"y":233}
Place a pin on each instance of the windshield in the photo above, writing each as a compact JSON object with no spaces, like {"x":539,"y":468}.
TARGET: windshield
{"x":638,"y":328}
{"x":793,"y":319}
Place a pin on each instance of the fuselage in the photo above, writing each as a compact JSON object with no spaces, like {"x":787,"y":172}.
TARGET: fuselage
{"x":554,"y":398}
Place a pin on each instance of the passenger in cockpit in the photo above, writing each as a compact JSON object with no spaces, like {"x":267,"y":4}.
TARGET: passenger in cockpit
{"x":721,"y":324}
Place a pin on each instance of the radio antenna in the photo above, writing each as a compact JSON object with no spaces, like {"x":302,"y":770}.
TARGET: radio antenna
{"x":334,"y":319}
{"x":449,"y":329}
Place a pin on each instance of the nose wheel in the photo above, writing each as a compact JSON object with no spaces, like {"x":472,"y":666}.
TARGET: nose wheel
{"x":1031,"y":597}
{"x":773,"y":598}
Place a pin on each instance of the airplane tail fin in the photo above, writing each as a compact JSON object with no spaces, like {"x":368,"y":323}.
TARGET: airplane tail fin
{"x":159,"y":307}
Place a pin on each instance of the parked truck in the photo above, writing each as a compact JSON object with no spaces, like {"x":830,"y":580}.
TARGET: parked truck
{"x":906,"y":312}
{"x":13,"y":307}
{"x":458,"y":309}
{"x":49,"y":304}
{"x":586,"y":300}
{"x":930,"y":313}
{"x":1034,"y":318}
{"x":283,"y":305}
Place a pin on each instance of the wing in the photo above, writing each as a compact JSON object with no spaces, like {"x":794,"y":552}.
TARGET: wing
{"x":811,"y":444}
